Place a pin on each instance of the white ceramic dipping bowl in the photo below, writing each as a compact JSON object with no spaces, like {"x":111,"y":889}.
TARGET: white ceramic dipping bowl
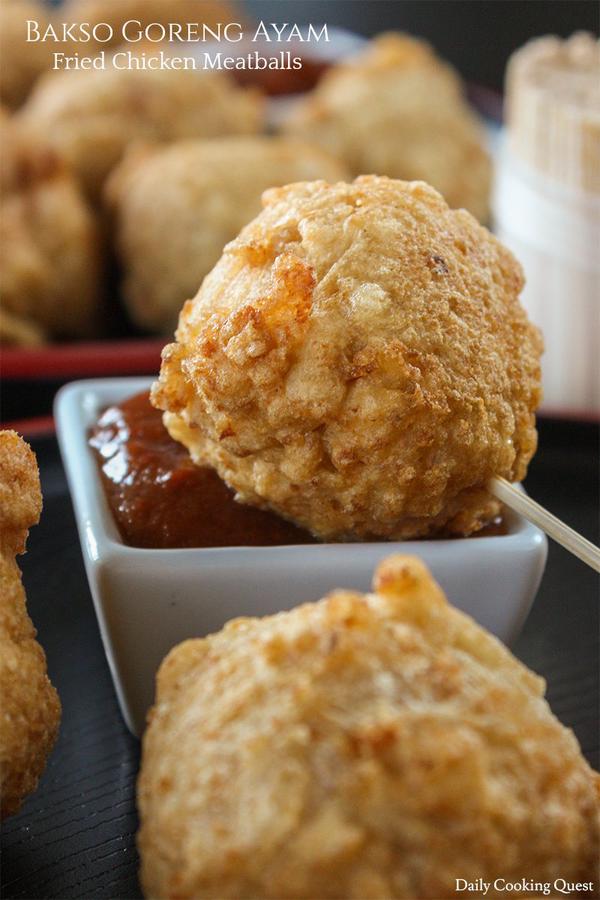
{"x":149,"y":600}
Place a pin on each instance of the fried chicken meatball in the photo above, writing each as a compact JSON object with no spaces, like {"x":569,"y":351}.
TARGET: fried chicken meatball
{"x":21,"y":61}
{"x":92,"y":116}
{"x":50,"y":247}
{"x":398,"y":110}
{"x":365,"y":746}
{"x":178,"y":207}
{"x":30,"y":705}
{"x":359,"y":362}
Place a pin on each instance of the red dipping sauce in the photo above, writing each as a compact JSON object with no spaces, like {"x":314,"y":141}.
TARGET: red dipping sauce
{"x":160,"y":498}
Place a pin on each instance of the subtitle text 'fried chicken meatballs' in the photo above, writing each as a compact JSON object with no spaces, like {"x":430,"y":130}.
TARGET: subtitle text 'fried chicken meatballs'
{"x":398,"y":110}
{"x":177,"y":207}
{"x":359,"y":362}
{"x":365,"y":746}
{"x":50,"y":247}
{"x":92,"y":116}
{"x":29,"y":705}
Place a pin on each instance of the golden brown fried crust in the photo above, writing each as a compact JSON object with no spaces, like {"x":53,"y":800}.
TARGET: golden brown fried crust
{"x":50,"y":247}
{"x":177,"y":207}
{"x":29,"y":705}
{"x":91,"y":117}
{"x":375,"y":746}
{"x":398,"y":110}
{"x":359,"y":361}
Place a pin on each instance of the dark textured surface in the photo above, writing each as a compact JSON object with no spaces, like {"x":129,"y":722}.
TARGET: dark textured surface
{"x":75,"y":837}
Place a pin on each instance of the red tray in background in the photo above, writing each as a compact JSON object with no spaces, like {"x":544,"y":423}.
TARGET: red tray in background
{"x":83,"y":359}
{"x":30,"y":377}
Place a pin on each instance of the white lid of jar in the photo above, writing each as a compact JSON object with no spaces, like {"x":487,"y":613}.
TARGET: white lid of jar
{"x":552,"y":108}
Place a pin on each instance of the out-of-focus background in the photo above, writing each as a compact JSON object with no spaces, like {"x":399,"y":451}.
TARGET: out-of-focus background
{"x":95,"y":272}
{"x":475,"y":36}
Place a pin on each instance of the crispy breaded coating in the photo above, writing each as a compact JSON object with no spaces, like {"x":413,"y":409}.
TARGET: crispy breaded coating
{"x":21,"y":61}
{"x":29,"y":705}
{"x":177,"y":208}
{"x":359,"y":362}
{"x":398,"y":110}
{"x":365,"y":746}
{"x":50,"y":247}
{"x":92,"y":116}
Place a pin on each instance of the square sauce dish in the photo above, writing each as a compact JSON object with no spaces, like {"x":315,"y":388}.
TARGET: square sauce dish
{"x":148,"y":600}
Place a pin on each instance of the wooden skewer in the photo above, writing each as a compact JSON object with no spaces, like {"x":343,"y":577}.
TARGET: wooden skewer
{"x":554,"y":528}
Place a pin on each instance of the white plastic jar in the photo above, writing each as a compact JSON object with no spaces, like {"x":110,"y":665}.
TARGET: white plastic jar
{"x":554,"y":231}
{"x":546,"y":208}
